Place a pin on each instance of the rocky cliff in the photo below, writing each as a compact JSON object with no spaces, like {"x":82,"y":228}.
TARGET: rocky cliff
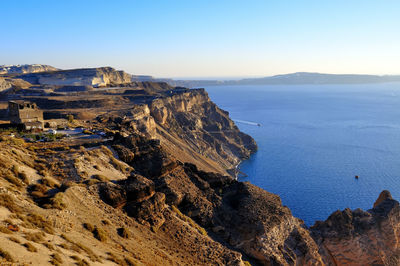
{"x":96,"y":77}
{"x":22,"y":69}
{"x":361,"y":237}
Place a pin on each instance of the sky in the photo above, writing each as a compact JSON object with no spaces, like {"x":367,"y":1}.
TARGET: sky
{"x":203,"y":39}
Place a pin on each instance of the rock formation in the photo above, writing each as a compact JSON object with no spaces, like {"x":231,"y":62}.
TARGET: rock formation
{"x":96,"y":77}
{"x":22,"y":69}
{"x":361,"y":237}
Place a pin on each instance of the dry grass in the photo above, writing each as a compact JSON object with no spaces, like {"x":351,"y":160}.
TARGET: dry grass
{"x":4,"y":254}
{"x":12,"y":179}
{"x":16,"y":240}
{"x":8,"y":202}
{"x":100,"y":234}
{"x":101,"y":178}
{"x":35,"y":237}
{"x":123,"y":232}
{"x":56,"y":202}
{"x":118,"y":165}
{"x":88,"y":227}
{"x":93,"y":257}
{"x":185,"y":218}
{"x":39,"y":222}
{"x":5,"y":230}
{"x":56,"y":259}
{"x":114,"y":258}
{"x":130,"y":262}
{"x":30,"y":247}
{"x":49,"y":246}
{"x":79,"y":261}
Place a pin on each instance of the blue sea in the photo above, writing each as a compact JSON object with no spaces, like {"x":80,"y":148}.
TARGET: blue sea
{"x":314,"y":139}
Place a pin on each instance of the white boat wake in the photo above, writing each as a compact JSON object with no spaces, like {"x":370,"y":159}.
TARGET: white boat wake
{"x":247,"y":122}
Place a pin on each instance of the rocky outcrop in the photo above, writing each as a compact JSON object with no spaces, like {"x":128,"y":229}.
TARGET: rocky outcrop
{"x":22,"y":69}
{"x":361,"y":237}
{"x":96,"y":77}
{"x":191,"y":116}
{"x":4,"y":85}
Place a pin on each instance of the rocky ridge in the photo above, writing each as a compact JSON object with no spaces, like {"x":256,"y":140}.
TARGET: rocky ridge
{"x":96,"y":77}
{"x":22,"y":69}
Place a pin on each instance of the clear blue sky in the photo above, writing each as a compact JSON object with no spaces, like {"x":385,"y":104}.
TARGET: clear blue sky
{"x":205,"y":38}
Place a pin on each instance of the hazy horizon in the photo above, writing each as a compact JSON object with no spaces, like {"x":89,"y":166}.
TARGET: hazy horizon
{"x":205,"y":39}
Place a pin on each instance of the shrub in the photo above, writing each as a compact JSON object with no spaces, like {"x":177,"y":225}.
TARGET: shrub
{"x":70,"y":118}
{"x":123,"y":232}
{"x":8,"y":202}
{"x":130,"y":262}
{"x":56,"y":202}
{"x":185,"y":218}
{"x":12,"y":179}
{"x":5,"y":230}
{"x":93,"y":257}
{"x":35,"y":237}
{"x":106,"y":222}
{"x":118,"y":165}
{"x":100,"y":234}
{"x":112,"y":257}
{"x":6,"y":255}
{"x":88,"y":227}
{"x":101,"y":178}
{"x":40,"y":222}
{"x":23,"y":177}
{"x":48,"y":245}
{"x":49,"y":182}
{"x":30,"y":247}
{"x":56,"y":259}
{"x":16,"y":240}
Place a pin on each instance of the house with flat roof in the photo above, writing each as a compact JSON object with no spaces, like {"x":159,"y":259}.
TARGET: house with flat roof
{"x":26,"y":114}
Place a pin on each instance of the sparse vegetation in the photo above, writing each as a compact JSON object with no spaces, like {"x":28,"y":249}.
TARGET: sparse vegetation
{"x":56,"y":259}
{"x":4,"y":254}
{"x":39,"y":222}
{"x":101,"y":178}
{"x":79,"y":261}
{"x":30,"y":247}
{"x":123,"y":232}
{"x":88,"y":227}
{"x":35,"y":237}
{"x":130,"y":262}
{"x":93,"y":257}
{"x":56,"y":202}
{"x":100,"y":234}
{"x":12,"y":179}
{"x":5,"y":230}
{"x":189,"y":220}
{"x":8,"y":202}
{"x":48,"y":245}
{"x":16,"y":240}
{"x":106,"y":222}
{"x":118,"y":165}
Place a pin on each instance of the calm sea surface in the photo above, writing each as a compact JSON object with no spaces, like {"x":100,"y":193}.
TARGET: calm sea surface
{"x":314,"y":139}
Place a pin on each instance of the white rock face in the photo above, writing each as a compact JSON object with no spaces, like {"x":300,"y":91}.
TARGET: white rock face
{"x":96,"y":77}
{"x":22,"y":69}
{"x":4,"y":85}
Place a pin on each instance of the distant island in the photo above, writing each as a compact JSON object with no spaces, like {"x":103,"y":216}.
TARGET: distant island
{"x":289,"y":79}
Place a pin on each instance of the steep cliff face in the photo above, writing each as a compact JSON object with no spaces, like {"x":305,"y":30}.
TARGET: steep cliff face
{"x":96,"y":77}
{"x":22,"y":69}
{"x":361,"y":237}
{"x":203,"y":127}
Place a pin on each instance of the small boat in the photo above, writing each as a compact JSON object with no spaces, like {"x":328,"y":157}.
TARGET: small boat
{"x":356,"y":177}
